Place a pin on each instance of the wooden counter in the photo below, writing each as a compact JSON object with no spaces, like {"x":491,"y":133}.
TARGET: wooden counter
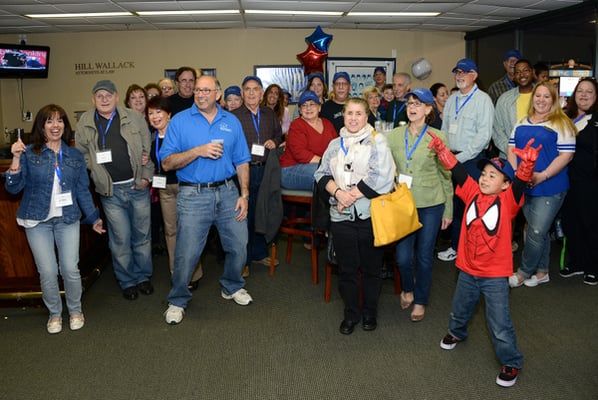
{"x":18,"y":275}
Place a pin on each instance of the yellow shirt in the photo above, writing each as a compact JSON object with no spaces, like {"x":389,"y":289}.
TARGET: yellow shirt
{"x":523,"y":104}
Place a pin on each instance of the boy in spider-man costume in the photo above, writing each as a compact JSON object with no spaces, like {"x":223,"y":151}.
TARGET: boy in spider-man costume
{"x":484,"y":256}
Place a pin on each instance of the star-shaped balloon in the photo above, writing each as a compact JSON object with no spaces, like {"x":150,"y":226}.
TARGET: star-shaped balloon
{"x":312,"y":60}
{"x":319,"y":39}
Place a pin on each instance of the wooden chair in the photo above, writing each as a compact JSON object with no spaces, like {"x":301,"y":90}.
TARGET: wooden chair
{"x":300,"y":226}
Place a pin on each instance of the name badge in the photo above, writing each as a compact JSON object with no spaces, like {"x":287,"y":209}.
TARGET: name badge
{"x":453,"y":128}
{"x":407,"y":179}
{"x":104,"y":156}
{"x":64,"y":199}
{"x":258,"y":150}
{"x":159,"y":182}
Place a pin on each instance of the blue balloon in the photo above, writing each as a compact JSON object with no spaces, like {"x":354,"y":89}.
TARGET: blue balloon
{"x":319,"y":39}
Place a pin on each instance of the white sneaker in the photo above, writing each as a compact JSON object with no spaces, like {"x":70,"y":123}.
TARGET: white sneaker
{"x":448,"y":255}
{"x":241,"y":297}
{"x":174,"y":314}
{"x":534,"y":281}
{"x":76,"y":322}
{"x":514,"y":281}
{"x":54,"y":325}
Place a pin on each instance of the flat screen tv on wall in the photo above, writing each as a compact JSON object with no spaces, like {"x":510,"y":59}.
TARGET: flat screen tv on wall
{"x":24,"y":61}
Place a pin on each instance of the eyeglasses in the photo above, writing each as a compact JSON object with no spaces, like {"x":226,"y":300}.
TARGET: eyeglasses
{"x":415,"y":104}
{"x":461,"y":73}
{"x":341,"y":83}
{"x":204,"y":90}
{"x":166,"y":87}
{"x":152,"y":95}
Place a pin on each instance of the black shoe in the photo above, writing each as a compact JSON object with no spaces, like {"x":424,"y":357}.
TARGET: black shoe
{"x":347,"y":327}
{"x":590,"y":279}
{"x":370,"y":323}
{"x":146,"y":288}
{"x":568,"y":272}
{"x":193,"y":285}
{"x":130,"y":293}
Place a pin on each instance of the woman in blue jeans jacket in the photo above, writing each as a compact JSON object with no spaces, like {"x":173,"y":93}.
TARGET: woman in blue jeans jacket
{"x":56,"y":189}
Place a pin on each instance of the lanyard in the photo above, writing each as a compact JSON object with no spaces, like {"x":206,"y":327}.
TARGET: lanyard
{"x":576,"y":120}
{"x":158,"y":150}
{"x":394,"y":112}
{"x":58,"y":164}
{"x":508,"y":82}
{"x":457,"y":109}
{"x":409,"y":152}
{"x":256,"y":123}
{"x":343,"y":148}
{"x":105,"y":130}
{"x":377,"y":116}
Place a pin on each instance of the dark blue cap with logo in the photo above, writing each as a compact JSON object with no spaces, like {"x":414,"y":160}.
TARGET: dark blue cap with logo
{"x":424,"y":95}
{"x":232,"y":90}
{"x":381,"y":69}
{"x":466,"y":65}
{"x":316,"y":75}
{"x":501,"y":165}
{"x":513,"y":53}
{"x":252,"y":78}
{"x":309,"y":95}
{"x":340,"y":75}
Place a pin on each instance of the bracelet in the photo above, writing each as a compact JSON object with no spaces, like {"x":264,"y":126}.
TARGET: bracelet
{"x":245,"y":196}
{"x":334,"y":194}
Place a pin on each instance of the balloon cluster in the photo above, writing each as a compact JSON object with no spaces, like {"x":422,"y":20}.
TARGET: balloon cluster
{"x":313,"y":58}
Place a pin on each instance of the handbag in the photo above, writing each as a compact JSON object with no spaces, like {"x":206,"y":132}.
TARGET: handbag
{"x":394,"y":215}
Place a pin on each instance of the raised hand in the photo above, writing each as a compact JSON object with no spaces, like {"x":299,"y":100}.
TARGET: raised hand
{"x":528,"y":156}
{"x":446,"y":158}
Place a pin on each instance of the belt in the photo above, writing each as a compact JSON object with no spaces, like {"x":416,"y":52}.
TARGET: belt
{"x":205,"y":185}
{"x":257,"y":163}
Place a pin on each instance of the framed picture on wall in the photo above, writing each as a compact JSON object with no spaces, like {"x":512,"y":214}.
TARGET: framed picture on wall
{"x":361,"y":71}
{"x":289,"y":77}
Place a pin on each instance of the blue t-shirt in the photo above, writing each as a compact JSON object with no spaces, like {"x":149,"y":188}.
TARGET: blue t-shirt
{"x":553,"y":143}
{"x":189,"y":129}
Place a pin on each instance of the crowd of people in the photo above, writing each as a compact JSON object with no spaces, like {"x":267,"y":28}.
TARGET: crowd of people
{"x":186,"y":156}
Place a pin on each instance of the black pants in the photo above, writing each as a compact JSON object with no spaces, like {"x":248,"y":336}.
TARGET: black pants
{"x":355,"y":253}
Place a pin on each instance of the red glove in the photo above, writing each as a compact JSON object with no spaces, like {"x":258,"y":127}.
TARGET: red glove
{"x":528,"y":156}
{"x":446,"y":158}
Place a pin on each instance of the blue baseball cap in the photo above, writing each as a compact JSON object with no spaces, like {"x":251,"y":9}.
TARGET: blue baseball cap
{"x":316,"y":75}
{"x":309,"y":95}
{"x":501,"y":165}
{"x":232,"y":90}
{"x":284,"y":91}
{"x":513,"y":53}
{"x":252,"y":78}
{"x":381,"y":69}
{"x":424,"y":95}
{"x":466,"y":65}
{"x":339,"y":75}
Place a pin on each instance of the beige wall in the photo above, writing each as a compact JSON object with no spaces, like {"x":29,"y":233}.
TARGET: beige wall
{"x":232,"y":52}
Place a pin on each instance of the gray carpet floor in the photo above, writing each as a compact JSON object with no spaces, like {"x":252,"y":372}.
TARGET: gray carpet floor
{"x":286,"y":345}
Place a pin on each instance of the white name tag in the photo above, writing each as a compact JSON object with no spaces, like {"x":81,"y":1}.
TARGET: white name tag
{"x":258,"y":150}
{"x":64,"y":199}
{"x":407,"y":179}
{"x":104,"y":156}
{"x":159,"y":182}
{"x":453,"y":128}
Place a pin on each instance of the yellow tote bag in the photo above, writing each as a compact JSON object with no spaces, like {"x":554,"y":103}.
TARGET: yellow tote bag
{"x":394,"y":215}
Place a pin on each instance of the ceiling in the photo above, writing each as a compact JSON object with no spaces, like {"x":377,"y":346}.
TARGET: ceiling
{"x":455,"y":15}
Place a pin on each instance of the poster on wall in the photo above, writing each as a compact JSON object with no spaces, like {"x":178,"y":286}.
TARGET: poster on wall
{"x":361,"y":71}
{"x":289,"y":77}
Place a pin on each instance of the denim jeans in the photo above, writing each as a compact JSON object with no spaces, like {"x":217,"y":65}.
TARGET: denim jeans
{"x":539,"y":211}
{"x":498,"y":316}
{"x":198,"y":209}
{"x":128,"y":216}
{"x":41,"y":240}
{"x":256,"y":243}
{"x":298,"y":177}
{"x":419,"y":248}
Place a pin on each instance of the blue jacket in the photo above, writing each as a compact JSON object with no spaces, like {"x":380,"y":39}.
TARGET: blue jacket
{"x":37,"y":177}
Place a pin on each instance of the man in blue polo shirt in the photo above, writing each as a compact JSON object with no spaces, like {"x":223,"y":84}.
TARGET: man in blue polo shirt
{"x":207,"y":147}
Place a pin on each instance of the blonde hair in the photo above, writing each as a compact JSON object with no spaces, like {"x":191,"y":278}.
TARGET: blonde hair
{"x":370,"y":90}
{"x":556,"y":117}
{"x":357,"y":100}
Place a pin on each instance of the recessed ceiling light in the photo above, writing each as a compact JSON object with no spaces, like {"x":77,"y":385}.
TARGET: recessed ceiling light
{"x":186,"y":12}
{"x":295,"y":12}
{"x":81,"y":15}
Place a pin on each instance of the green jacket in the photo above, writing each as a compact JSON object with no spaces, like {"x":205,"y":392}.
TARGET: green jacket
{"x":133,"y":129}
{"x":431,"y":183}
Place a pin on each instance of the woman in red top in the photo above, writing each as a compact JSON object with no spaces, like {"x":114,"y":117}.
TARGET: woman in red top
{"x":307,"y":140}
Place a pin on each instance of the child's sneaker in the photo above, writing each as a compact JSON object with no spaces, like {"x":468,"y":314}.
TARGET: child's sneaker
{"x":448,"y":342}
{"x":507,"y":376}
